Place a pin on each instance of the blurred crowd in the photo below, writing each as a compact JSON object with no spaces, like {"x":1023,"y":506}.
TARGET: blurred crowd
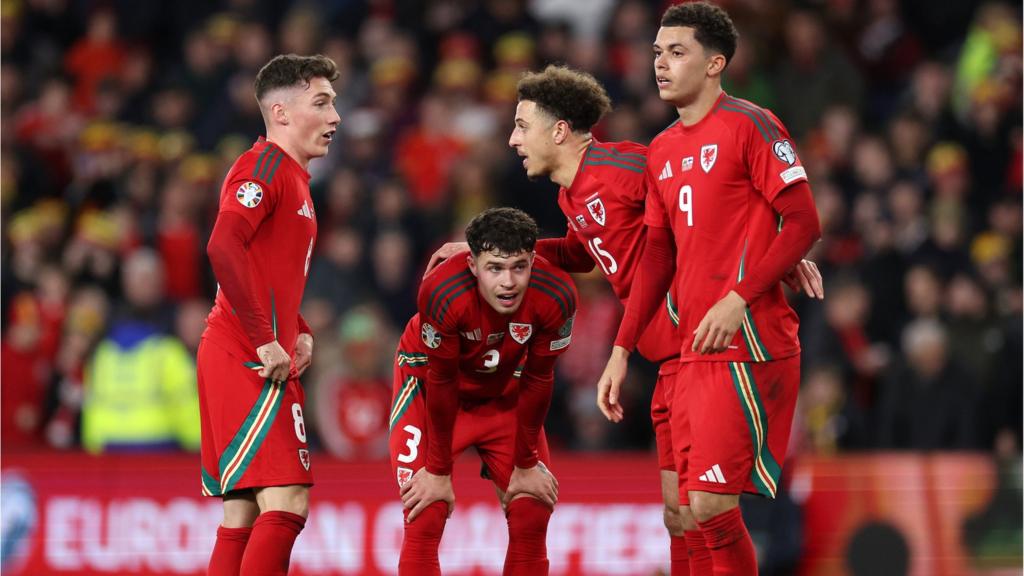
{"x":118,"y":120}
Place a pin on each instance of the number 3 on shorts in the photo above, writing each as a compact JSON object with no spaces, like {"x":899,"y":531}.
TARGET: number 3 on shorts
{"x":300,"y":424}
{"x":413,"y":444}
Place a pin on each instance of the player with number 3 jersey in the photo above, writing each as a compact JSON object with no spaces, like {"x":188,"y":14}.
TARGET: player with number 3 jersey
{"x":475,"y":368}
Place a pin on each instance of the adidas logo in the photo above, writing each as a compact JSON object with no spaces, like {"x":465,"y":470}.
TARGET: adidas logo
{"x":666,"y":172}
{"x":305,"y":211}
{"x":713,"y":475}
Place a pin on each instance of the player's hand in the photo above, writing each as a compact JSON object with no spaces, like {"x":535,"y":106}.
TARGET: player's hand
{"x":538,"y":482}
{"x":423,"y":490}
{"x":611,"y":382}
{"x":303,"y":353}
{"x":804,"y":277}
{"x":720,"y":324}
{"x":445,"y":252}
{"x":275,"y":360}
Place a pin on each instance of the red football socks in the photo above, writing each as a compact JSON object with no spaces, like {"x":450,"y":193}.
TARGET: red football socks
{"x":732,"y":550}
{"x":270,"y":546}
{"x":700,"y":556}
{"x":421,"y":541}
{"x":527,"y":538}
{"x":680,"y":557}
{"x":226,"y":559}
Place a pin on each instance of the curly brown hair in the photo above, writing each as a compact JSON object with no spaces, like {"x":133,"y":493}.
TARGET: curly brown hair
{"x":286,"y":70}
{"x":712,"y":27}
{"x":566,"y":94}
{"x":506,"y":231}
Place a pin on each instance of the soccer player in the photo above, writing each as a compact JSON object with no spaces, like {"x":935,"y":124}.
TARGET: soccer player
{"x":475,"y":368}
{"x":602,"y":192}
{"x":729,"y":213}
{"x":256,"y":345}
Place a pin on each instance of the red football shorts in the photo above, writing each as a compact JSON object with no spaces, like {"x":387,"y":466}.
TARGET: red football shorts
{"x":490,"y":427}
{"x":741,"y":414}
{"x":253,"y":432}
{"x":673,"y":453}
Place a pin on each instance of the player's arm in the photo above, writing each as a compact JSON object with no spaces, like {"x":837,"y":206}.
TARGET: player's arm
{"x":800,"y":230}
{"x":433,"y":483}
{"x":228,"y":252}
{"x":303,"y":347}
{"x":567,"y":253}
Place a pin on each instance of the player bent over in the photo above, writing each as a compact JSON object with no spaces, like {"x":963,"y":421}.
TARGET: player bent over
{"x":475,"y":368}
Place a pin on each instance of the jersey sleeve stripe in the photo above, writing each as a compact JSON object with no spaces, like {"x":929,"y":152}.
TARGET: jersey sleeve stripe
{"x":277,"y":162}
{"x":770,"y":127}
{"x":639,"y":159}
{"x":630,"y":167}
{"x":535,"y":283}
{"x":259,"y":163}
{"x":773,"y":129}
{"x":561,"y":284}
{"x":673,"y":312}
{"x":266,"y":163}
{"x":432,"y":301}
{"x":751,"y":115}
{"x":449,"y":299}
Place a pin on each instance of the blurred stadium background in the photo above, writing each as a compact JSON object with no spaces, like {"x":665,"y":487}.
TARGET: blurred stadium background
{"x":119,"y":118}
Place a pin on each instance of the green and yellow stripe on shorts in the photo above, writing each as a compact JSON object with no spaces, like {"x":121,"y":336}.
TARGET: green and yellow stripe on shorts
{"x":249,"y":437}
{"x":673,"y":311}
{"x":766,"y":471}
{"x":410,"y":389}
{"x":751,"y":338}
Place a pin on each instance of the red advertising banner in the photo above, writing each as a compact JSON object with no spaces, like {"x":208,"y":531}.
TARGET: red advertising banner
{"x":142,"y":514}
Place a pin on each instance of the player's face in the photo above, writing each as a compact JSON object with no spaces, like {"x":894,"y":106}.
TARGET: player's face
{"x":532,"y":139}
{"x":312,"y":117}
{"x":502,"y":279}
{"x":680,"y":65}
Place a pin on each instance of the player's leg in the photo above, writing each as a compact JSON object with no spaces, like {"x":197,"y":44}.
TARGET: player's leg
{"x":266,"y":453}
{"x":527,"y":517}
{"x":677,"y":517}
{"x":739,"y":442}
{"x":240,"y":511}
{"x":407,"y":445}
{"x":694,"y":550}
{"x":216,"y":373}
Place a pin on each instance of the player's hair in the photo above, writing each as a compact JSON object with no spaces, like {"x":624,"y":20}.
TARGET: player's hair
{"x":506,"y":231}
{"x":286,"y":70}
{"x":712,"y":27}
{"x":566,"y":94}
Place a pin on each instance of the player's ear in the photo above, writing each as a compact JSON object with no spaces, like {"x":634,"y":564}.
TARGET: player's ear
{"x":279,"y":113}
{"x":716,"y":64}
{"x":561,"y":131}
{"x":472,"y":263}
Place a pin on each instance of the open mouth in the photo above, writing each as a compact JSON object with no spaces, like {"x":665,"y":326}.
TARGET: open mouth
{"x":662,"y":81}
{"x":329,"y":135}
{"x":507,"y":299}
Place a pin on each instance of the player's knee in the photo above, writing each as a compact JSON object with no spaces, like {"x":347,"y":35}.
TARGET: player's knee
{"x":294,"y":499}
{"x":706,"y":505}
{"x":429,"y":524}
{"x":528,"y":517}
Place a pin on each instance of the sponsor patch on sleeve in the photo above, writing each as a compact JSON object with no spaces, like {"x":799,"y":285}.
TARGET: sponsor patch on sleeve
{"x":561,"y":342}
{"x":794,"y":173}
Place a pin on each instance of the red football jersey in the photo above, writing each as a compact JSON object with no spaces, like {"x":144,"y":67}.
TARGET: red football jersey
{"x":713,"y":186}
{"x":605,"y":209}
{"x":455,"y":321}
{"x":271,"y":191}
